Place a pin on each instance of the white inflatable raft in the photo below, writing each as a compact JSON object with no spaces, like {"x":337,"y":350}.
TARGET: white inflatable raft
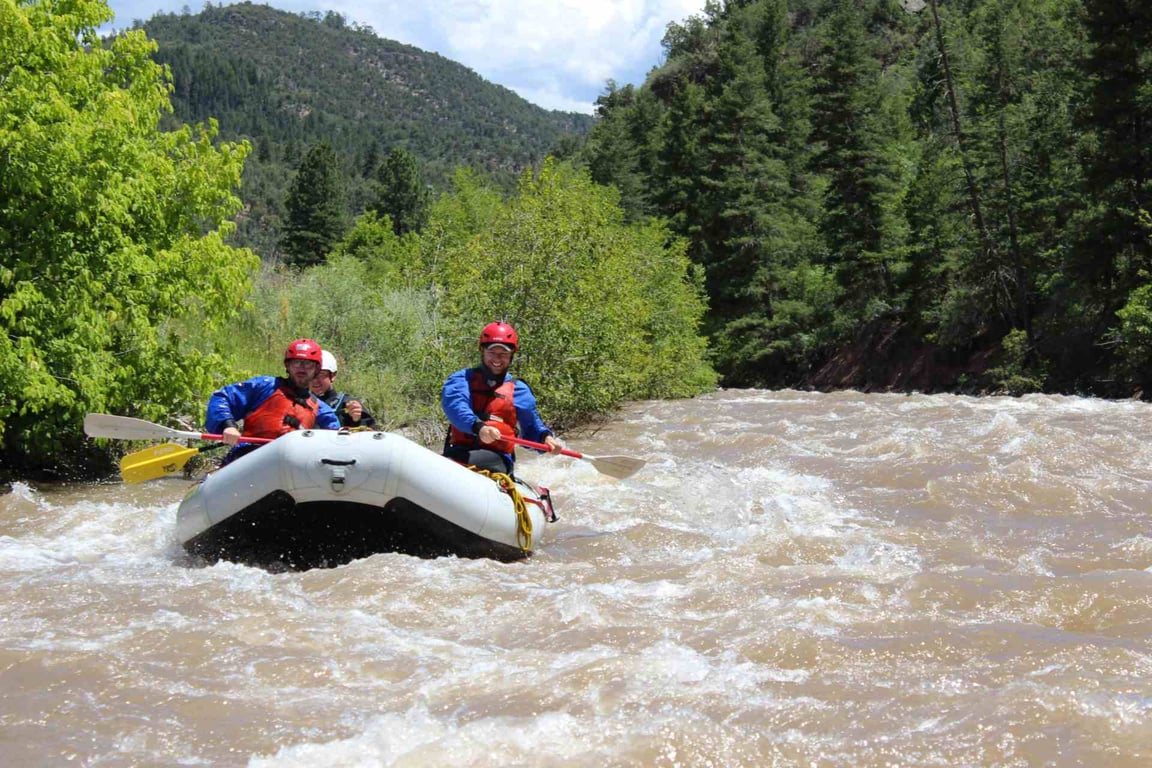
{"x":321,"y":498}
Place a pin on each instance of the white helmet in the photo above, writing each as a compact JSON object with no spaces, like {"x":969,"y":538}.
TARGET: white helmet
{"x":327,"y":361}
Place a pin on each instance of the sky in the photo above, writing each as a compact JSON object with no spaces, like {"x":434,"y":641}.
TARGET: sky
{"x":557,"y":54}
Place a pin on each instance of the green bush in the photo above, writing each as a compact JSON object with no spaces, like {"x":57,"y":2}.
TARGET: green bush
{"x":606,"y":311}
{"x":384,"y":338}
{"x":1015,"y":375}
{"x":110,"y":235}
{"x":1134,"y":335}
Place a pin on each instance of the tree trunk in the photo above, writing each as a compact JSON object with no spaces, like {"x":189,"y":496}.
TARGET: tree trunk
{"x":1023,"y":314}
{"x":961,"y":142}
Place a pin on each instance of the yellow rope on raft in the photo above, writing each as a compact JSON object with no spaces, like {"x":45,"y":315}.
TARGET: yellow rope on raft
{"x":523,"y":519}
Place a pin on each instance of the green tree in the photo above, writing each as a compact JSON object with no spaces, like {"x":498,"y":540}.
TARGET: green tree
{"x":1114,"y":250}
{"x":402,"y":193}
{"x":730,"y":170}
{"x":763,"y":204}
{"x":315,"y":208}
{"x":678,"y":161}
{"x":111,"y":235}
{"x":617,"y":151}
{"x":298,"y":79}
{"x":1023,"y":86}
{"x":608,"y":311}
{"x":861,"y":217}
{"x":371,"y":164}
{"x":1014,"y":75}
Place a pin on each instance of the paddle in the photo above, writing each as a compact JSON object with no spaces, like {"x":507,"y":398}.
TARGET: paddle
{"x":618,"y":467}
{"x":157,"y":461}
{"x":127,"y":428}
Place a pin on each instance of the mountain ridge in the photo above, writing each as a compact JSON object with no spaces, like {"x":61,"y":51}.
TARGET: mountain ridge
{"x":286,"y":82}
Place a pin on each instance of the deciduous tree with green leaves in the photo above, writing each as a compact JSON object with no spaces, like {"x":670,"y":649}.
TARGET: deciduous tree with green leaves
{"x":607,"y":311}
{"x":111,"y":235}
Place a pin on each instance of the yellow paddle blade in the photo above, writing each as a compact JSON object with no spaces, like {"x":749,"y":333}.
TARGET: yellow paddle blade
{"x":154,"y":462}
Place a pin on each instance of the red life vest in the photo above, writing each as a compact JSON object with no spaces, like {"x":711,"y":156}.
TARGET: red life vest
{"x":495,"y":407}
{"x":283,"y":412}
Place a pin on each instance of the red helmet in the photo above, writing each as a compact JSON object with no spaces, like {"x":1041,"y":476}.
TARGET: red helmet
{"x":499,"y":333}
{"x":303,"y":349}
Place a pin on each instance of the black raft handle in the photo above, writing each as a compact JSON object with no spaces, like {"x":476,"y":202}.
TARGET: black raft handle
{"x":336,"y":463}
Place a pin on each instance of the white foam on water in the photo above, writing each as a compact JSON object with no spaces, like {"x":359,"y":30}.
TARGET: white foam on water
{"x":578,"y":606}
{"x":1139,"y":545}
{"x":660,"y":683}
{"x":20,"y":555}
{"x":420,"y":738}
{"x":1124,"y":710}
{"x":91,"y":531}
{"x":880,"y":561}
{"x":1035,"y":562}
{"x":23,"y":492}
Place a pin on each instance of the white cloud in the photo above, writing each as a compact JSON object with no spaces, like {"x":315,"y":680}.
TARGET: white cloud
{"x":555,"y":53}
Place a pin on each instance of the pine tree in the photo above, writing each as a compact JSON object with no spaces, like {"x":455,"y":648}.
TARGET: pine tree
{"x":676,"y":158}
{"x":1118,"y":172}
{"x":861,"y":216}
{"x":758,"y":208}
{"x":1020,"y":90}
{"x":371,"y":165}
{"x":744,"y":179}
{"x":315,"y":209}
{"x":610,"y":152}
{"x":960,"y":288}
{"x":402,"y":192}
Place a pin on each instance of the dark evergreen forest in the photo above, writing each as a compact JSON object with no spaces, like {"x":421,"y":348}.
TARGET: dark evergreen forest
{"x":910,"y":194}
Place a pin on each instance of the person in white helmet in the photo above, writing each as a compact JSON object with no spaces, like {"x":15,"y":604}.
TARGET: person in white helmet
{"x":349,"y":409}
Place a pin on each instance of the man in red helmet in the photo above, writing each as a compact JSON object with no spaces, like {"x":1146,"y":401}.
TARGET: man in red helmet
{"x":270,"y":406}
{"x":486,"y":404}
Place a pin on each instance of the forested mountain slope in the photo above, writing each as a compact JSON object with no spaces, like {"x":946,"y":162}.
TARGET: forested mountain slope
{"x":285,"y":82}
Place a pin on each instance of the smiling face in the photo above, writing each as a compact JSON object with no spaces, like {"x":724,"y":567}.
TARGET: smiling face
{"x":497,"y":358}
{"x":322,"y":382}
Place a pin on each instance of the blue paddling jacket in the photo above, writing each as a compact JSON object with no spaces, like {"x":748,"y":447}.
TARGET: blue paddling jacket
{"x":272,"y":401}
{"x":456,"y":401}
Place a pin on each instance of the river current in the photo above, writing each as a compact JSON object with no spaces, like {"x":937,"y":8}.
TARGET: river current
{"x":793,"y":579}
